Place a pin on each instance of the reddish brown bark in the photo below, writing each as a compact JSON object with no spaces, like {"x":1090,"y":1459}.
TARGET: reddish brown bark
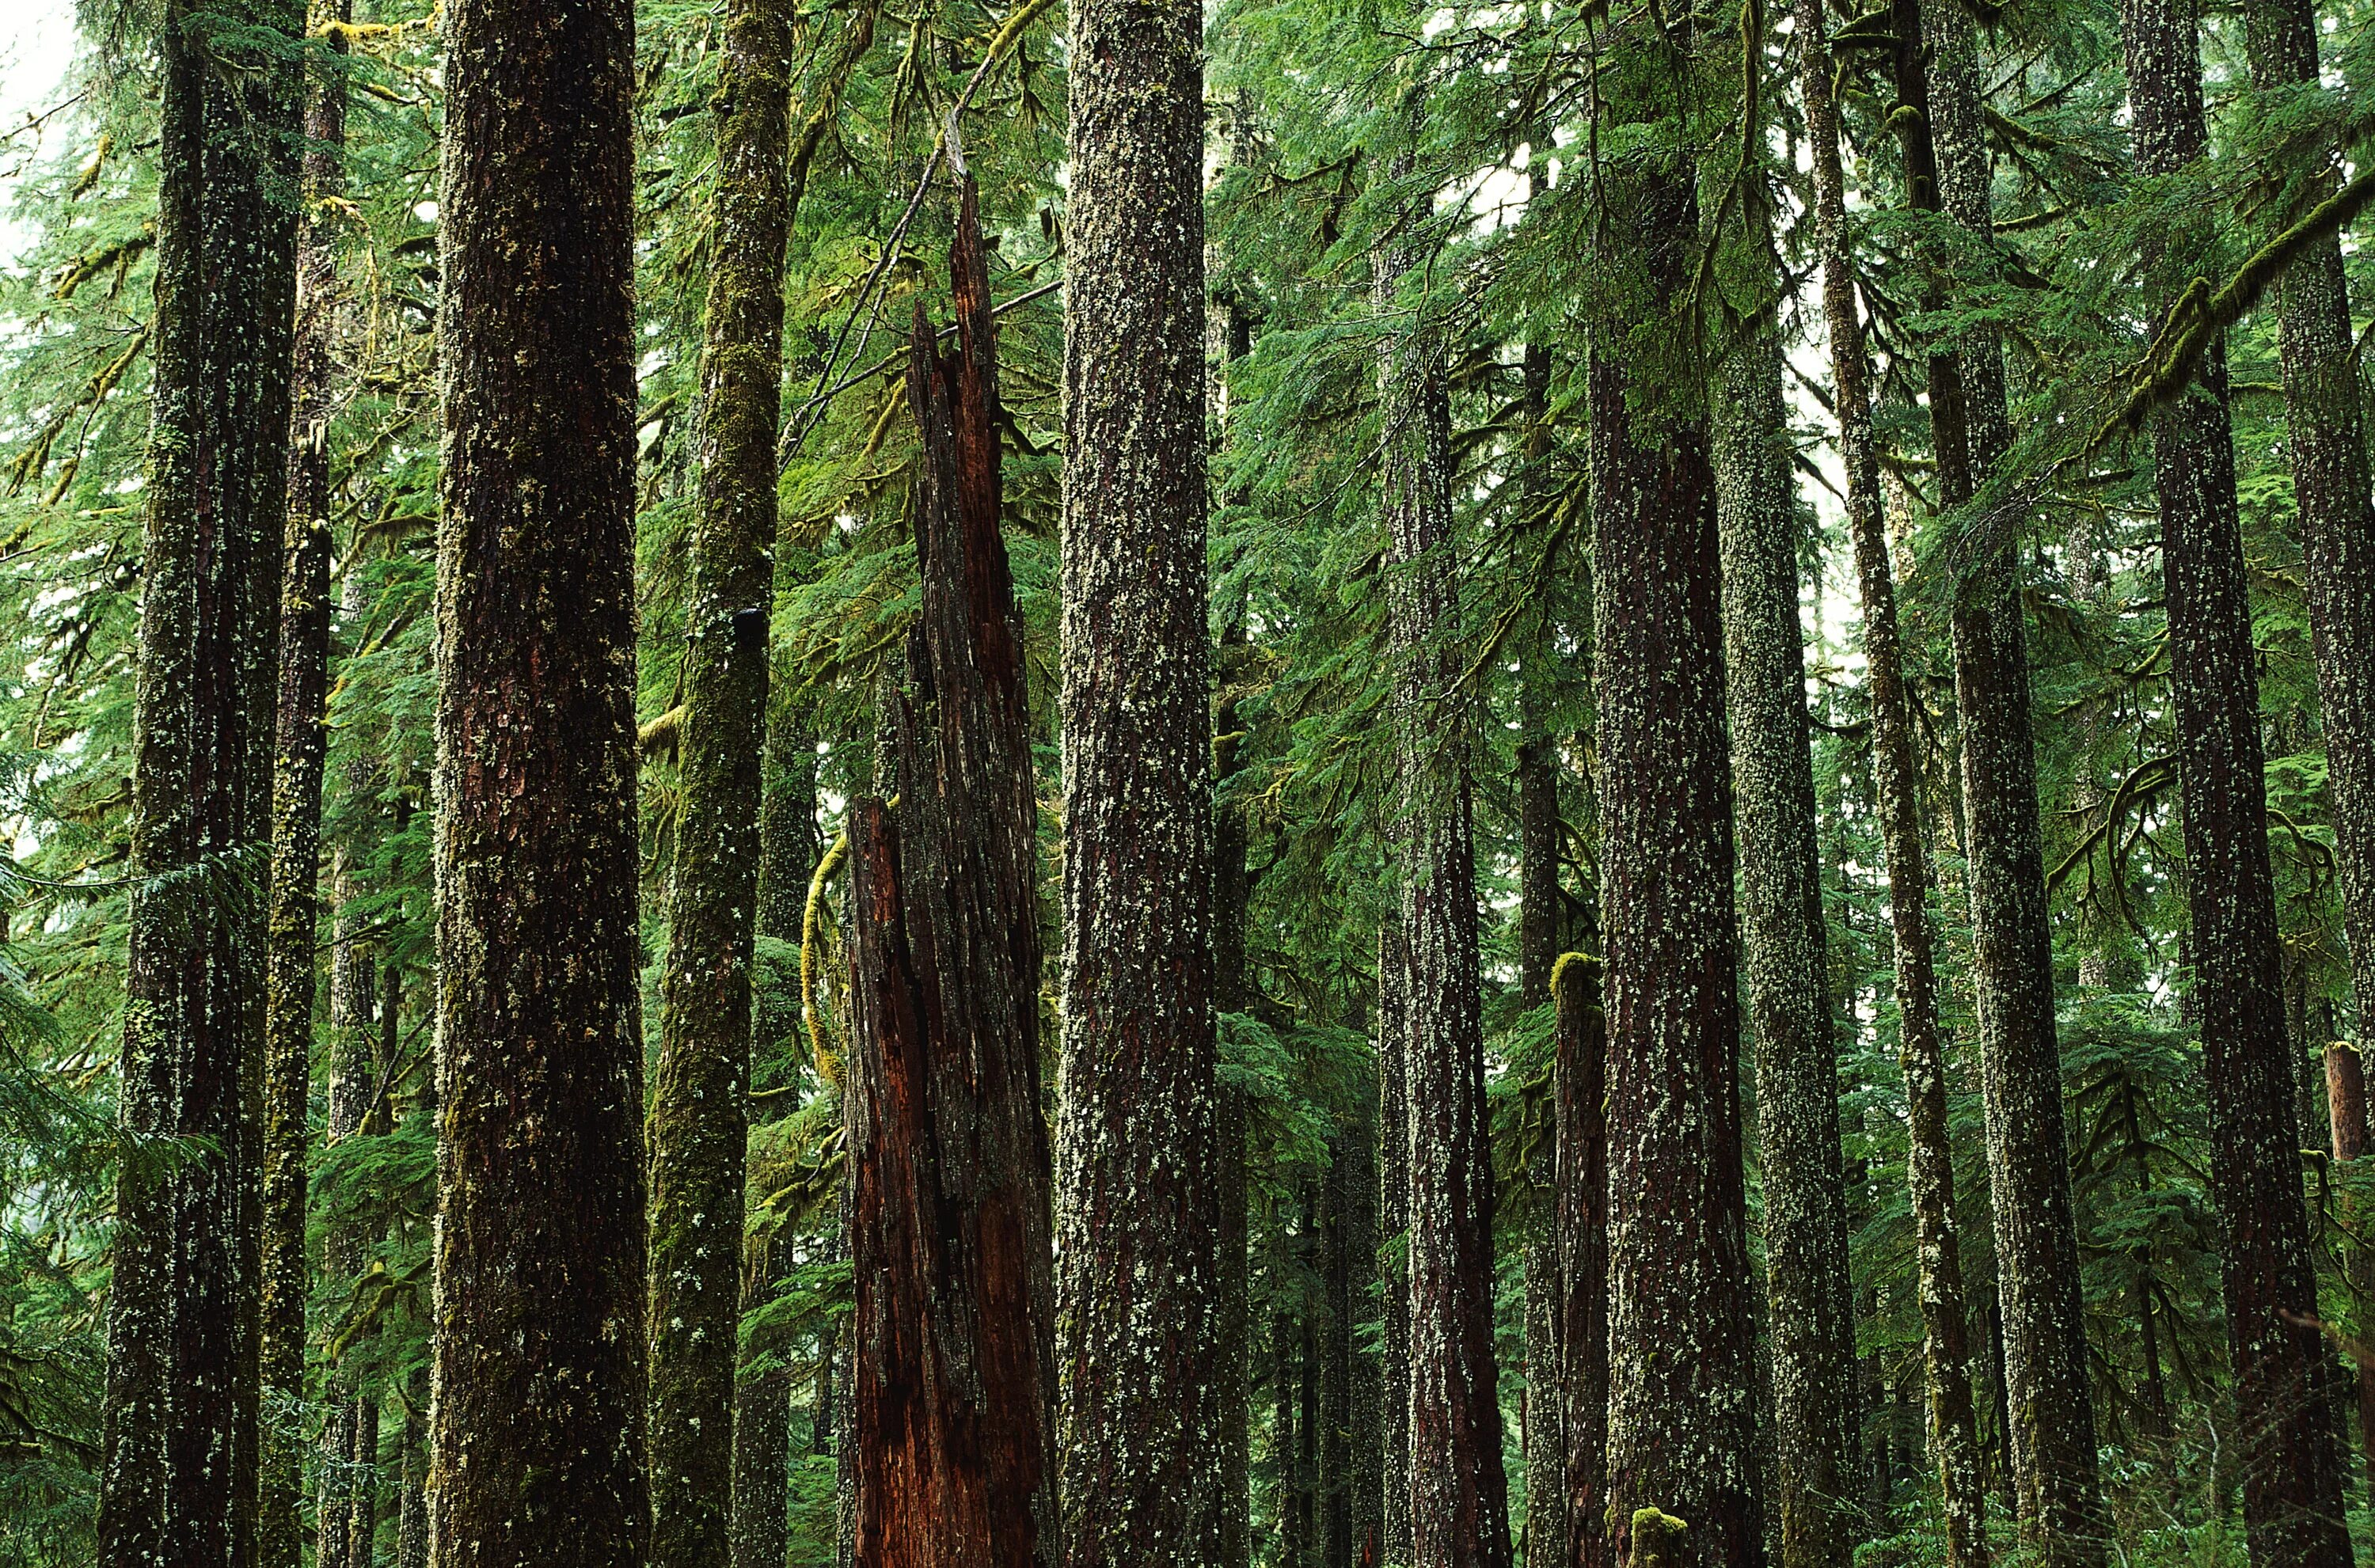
{"x":949,"y":1219}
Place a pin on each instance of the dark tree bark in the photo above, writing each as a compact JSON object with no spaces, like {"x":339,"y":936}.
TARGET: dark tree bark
{"x":1393,"y":1226}
{"x":2292,"y":1487}
{"x":1141,"y":1279}
{"x":412,"y":1508}
{"x":1358,"y":1472}
{"x":298,"y":746}
{"x":1582,"y":1080}
{"x":2052,"y":1436}
{"x":763,"y":1432}
{"x":536,"y":1443}
{"x":1812,"y":1316}
{"x":2346,"y":1102}
{"x":1930,"y":1174}
{"x":1459,"y":1511}
{"x":698,"y":1127}
{"x":1287,"y":1522}
{"x":179,"y":1477}
{"x":2325,"y":437}
{"x":1680,"y":1438}
{"x":954,"y":1404}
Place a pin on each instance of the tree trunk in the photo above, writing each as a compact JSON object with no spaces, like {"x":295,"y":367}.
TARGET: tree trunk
{"x":1930,"y":1166}
{"x":2052,"y":1436}
{"x":763,"y":1427}
{"x":1811,"y":1311}
{"x":1582,"y":1092}
{"x":299,"y":746}
{"x":1140,"y":1214}
{"x":2292,"y":1496}
{"x":1285,"y":1387}
{"x":954,"y":1405}
{"x":2345,"y":1100}
{"x":1233,"y":991}
{"x":179,"y":1416}
{"x":1393,"y":1227}
{"x":536,"y":1446}
{"x":1459,"y":1513}
{"x":2325,"y":436}
{"x":1681,"y":1437}
{"x":698,"y":1128}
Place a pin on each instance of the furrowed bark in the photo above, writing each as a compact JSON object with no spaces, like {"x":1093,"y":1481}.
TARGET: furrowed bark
{"x":2056,"y":1487}
{"x":1582,"y":1078}
{"x":1681,"y":1437}
{"x":298,"y":746}
{"x":1393,"y":1227}
{"x":954,"y":1404}
{"x":540,"y":1404}
{"x":1459,"y":1511}
{"x":179,"y":1475}
{"x":2325,"y":437}
{"x":1139,"y":1285}
{"x":1811,"y":1313}
{"x":1930,"y":1168}
{"x":2292,"y":1483}
{"x":698,"y":1128}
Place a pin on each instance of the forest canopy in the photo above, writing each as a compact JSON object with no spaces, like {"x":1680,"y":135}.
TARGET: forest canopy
{"x":1297,"y":782}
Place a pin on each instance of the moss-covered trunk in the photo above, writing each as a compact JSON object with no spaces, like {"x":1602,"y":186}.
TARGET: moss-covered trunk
{"x":1929,"y":1169}
{"x":698,"y":1126}
{"x":2056,"y":1487}
{"x":953,"y":1409}
{"x":1393,"y":1226}
{"x":1581,"y":1077}
{"x":1138,"y":1209}
{"x":537,"y":1438}
{"x":2292,"y":1483}
{"x":179,"y":1416}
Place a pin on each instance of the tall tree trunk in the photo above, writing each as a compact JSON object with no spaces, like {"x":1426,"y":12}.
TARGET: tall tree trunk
{"x":412,"y":1508}
{"x":1930,"y":1166}
{"x":1139,"y":1216}
{"x":179,"y":1418}
{"x":1362,"y":1446}
{"x":536,"y":1445}
{"x":2292,"y":1496}
{"x":954,"y":1405}
{"x":1459,"y":1499}
{"x":2052,"y":1437}
{"x":1285,"y":1388}
{"x":298,"y":746}
{"x":2345,"y":1100}
{"x":698,"y":1130}
{"x":1393,"y":1227}
{"x":1811,"y":1311}
{"x":2325,"y":436}
{"x":1582,"y":1081}
{"x":1680,"y":1438}
{"x":763,"y":1432}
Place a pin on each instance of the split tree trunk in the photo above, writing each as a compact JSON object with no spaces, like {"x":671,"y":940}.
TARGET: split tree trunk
{"x":1930,"y":1166}
{"x":179,"y":1416}
{"x":953,"y":1409}
{"x":1582,"y":1078}
{"x":2292,"y":1486}
{"x":2056,"y":1486}
{"x":536,"y":1445}
{"x":1682,"y":1444}
{"x":1459,"y":1511}
{"x":299,"y":746}
{"x":1139,"y":1214}
{"x":698,"y":1128}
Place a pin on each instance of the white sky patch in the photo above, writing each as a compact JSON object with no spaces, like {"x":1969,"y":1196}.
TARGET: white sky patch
{"x":36,"y":42}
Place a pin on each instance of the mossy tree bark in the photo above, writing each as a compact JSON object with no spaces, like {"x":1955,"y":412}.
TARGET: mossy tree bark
{"x":298,"y":747}
{"x":537,"y":1440}
{"x":1393,"y":1226}
{"x":1930,"y":1169}
{"x":1812,"y":1317}
{"x":1681,"y":1427}
{"x":2056,"y":1483}
{"x":179,"y":1416}
{"x":954,"y":1404}
{"x":2325,"y":437}
{"x":698,"y":1126}
{"x":1459,"y":1511}
{"x":1582,"y":1080}
{"x":2292,"y":1483}
{"x":1139,"y":1285}
{"x":2346,"y":1103}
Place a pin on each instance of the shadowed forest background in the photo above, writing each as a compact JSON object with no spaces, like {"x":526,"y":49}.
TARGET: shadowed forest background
{"x":1634,"y":823}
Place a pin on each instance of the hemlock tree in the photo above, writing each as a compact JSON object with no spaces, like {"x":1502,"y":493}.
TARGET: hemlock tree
{"x":179,"y":1436}
{"x":1137,"y":1213}
{"x":538,"y":1406}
